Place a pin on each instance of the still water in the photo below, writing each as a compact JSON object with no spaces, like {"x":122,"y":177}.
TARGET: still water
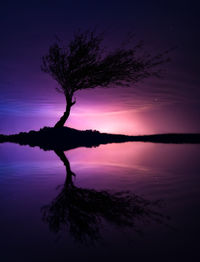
{"x":156,"y":218}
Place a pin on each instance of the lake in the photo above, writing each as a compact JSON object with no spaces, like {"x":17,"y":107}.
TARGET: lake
{"x":62,"y":206}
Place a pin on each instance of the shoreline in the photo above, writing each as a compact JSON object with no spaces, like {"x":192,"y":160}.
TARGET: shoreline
{"x":65,"y":138}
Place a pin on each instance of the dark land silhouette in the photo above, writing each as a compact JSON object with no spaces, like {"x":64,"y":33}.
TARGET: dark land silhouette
{"x":66,"y":138}
{"x":83,"y":211}
{"x":85,"y":64}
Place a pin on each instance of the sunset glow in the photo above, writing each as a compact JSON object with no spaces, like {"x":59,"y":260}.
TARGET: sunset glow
{"x":99,"y":131}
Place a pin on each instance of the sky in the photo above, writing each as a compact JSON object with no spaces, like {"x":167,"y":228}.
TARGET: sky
{"x":28,"y":98}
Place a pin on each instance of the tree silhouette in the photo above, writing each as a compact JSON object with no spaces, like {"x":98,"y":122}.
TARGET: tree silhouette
{"x":84,"y":64}
{"x":82,"y":211}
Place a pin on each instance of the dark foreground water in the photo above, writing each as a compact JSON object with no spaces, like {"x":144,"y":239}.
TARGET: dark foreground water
{"x":52,"y":207}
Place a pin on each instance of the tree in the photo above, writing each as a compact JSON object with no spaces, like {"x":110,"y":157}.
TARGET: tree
{"x":84,"y":64}
{"x":82,"y":210}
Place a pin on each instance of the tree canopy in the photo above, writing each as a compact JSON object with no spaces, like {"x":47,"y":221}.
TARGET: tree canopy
{"x":85,"y":64}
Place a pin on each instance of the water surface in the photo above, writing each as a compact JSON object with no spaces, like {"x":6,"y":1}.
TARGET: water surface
{"x":31,"y":179}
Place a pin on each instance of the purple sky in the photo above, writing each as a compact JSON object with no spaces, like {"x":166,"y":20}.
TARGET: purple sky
{"x":28,"y":96}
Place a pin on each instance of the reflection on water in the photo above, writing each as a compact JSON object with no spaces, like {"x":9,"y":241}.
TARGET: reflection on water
{"x":87,"y":203}
{"x":83,"y":210}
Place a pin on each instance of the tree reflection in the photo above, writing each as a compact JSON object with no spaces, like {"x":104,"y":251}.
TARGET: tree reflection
{"x":83,"y":211}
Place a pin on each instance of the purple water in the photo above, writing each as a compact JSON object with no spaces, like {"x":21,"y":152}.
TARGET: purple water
{"x":31,"y":178}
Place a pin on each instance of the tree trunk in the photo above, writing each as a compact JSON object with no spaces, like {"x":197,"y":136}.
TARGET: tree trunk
{"x":69,"y":173}
{"x":65,"y":116}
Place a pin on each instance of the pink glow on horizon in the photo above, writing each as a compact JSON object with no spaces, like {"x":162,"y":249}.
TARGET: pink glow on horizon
{"x":131,"y":114}
{"x":106,"y":119}
{"x":119,"y":122}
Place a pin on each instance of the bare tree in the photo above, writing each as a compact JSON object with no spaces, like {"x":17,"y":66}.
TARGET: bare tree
{"x":84,"y":64}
